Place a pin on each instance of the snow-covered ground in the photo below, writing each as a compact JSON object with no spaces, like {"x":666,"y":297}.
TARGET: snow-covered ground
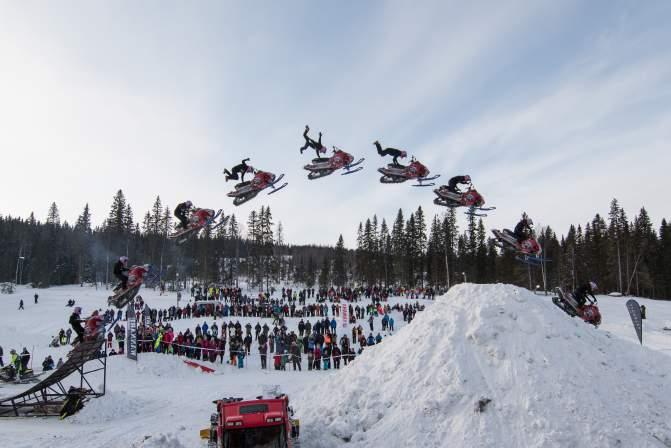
{"x":553,"y":381}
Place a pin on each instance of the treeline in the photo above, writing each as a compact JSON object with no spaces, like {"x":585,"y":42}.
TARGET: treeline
{"x":624,"y":255}
{"x":627,"y":256}
{"x":55,"y":252}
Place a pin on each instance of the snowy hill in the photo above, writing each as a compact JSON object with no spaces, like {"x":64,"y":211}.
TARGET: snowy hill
{"x":553,"y":382}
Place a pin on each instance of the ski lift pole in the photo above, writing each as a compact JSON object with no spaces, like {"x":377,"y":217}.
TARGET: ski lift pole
{"x":544,"y":267}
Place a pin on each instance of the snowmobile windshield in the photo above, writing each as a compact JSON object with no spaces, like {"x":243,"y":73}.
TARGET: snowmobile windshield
{"x":263,"y":437}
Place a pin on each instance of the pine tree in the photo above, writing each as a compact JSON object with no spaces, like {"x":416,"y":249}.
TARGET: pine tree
{"x":398,"y":245}
{"x":84,"y":221}
{"x":166,"y":221}
{"x":117,"y":218}
{"x":339,"y":273}
{"x":53,"y":217}
{"x":156,"y":216}
{"x":325,"y":273}
{"x":128,"y":224}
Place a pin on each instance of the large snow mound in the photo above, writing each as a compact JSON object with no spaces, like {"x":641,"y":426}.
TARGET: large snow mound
{"x":553,"y":381}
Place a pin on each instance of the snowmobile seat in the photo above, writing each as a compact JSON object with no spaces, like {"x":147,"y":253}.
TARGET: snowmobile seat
{"x":320,"y":160}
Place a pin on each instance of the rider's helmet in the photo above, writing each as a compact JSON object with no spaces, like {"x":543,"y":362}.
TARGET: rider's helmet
{"x":188,"y":204}
{"x":530,"y":221}
{"x":78,"y":310}
{"x":147,"y":267}
{"x":250,"y":169}
{"x":123,"y":259}
{"x":404,"y":154}
{"x":12,"y":351}
{"x":467,"y":178}
{"x":593,"y":285}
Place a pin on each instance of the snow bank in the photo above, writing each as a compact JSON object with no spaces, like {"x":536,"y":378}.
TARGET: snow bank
{"x":553,"y":381}
{"x":115,"y":406}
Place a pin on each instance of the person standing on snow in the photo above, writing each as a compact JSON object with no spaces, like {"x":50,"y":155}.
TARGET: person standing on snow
{"x":21,"y":304}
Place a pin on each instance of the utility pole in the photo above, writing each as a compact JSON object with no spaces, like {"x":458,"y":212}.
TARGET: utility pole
{"x":19,"y":260}
{"x":447,"y":268}
{"x":619,"y":263}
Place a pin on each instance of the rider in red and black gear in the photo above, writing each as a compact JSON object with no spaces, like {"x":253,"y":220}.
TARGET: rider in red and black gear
{"x":583,"y":291}
{"x":182,"y":213}
{"x":457,"y":180}
{"x":309,"y":143}
{"x":523,"y":228}
{"x":241,"y":168}
{"x":395,"y":153}
{"x":121,"y":271}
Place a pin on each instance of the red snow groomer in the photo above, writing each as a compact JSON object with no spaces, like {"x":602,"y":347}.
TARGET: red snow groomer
{"x":263,"y":422}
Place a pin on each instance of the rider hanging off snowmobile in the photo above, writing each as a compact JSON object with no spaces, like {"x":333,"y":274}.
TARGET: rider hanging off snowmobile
{"x":121,"y":272}
{"x":575,"y":304}
{"x":310,"y":143}
{"x":241,"y":168}
{"x":523,"y":229}
{"x":581,"y":293}
{"x":457,"y":180}
{"x":182,"y":213}
{"x":395,"y":153}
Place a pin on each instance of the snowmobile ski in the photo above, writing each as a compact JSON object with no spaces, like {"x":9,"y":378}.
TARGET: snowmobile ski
{"x":276,"y":189}
{"x":352,"y":171}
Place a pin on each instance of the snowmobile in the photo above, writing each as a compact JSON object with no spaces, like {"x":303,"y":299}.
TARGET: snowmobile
{"x":528,"y":251}
{"x":469,"y":198}
{"x":121,"y":297}
{"x":200,"y":218}
{"x":324,"y":166}
{"x":74,"y":402}
{"x":245,"y":191}
{"x":8,"y":373}
{"x":589,"y":312}
{"x":395,"y":174}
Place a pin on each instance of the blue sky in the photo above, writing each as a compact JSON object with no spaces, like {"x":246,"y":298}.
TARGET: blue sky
{"x":552,"y":107}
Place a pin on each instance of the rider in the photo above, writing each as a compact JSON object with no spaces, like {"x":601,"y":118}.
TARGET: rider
{"x":523,"y":228}
{"x":457,"y":180}
{"x":25,"y":359}
{"x":15,"y":362}
{"x":121,"y":271}
{"x":583,"y":291}
{"x":395,"y":153}
{"x":309,"y":143}
{"x":242,"y":169}
{"x":76,"y":323}
{"x":182,"y":213}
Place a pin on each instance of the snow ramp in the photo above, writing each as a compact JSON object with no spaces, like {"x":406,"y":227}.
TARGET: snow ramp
{"x":553,"y":381}
{"x":47,"y":396}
